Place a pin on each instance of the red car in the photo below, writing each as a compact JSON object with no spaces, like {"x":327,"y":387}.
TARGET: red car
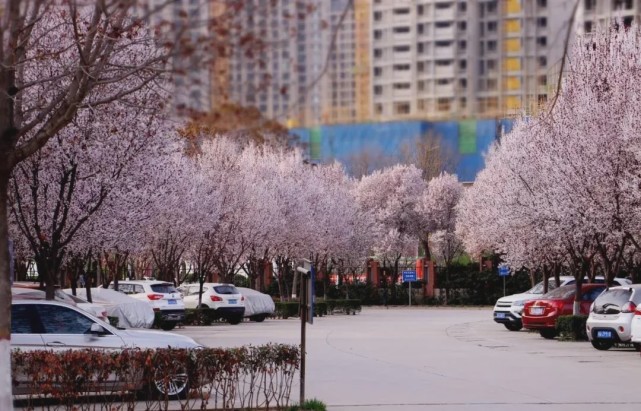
{"x":541,"y":314}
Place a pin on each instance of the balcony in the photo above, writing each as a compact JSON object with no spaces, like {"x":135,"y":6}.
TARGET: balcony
{"x":446,"y":14}
{"x":444,"y":89}
{"x":444,"y":52}
{"x":445,"y":33}
{"x":444,"y":71}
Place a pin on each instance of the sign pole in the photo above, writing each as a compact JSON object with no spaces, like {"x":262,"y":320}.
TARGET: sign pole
{"x":303,"y":321}
{"x":503,"y":286}
{"x":410,"y":293}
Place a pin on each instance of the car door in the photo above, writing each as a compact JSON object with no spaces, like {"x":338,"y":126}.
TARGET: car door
{"x":25,"y":336}
{"x":66,"y":328}
{"x":190,"y":298}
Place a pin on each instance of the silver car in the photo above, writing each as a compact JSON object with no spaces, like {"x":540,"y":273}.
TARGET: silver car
{"x":610,"y":319}
{"x":53,"y":325}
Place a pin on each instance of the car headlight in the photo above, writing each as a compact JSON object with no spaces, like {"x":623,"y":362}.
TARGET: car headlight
{"x":519,"y":303}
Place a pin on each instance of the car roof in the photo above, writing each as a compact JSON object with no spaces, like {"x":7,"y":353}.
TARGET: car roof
{"x":625,"y":287}
{"x":149,"y":282}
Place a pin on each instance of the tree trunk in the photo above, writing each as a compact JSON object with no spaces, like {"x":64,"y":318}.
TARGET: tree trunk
{"x":6,"y":399}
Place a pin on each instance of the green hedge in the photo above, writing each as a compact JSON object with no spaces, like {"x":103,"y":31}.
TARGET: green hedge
{"x":572,"y":327}
{"x":351,"y":306}
{"x":288,"y":309}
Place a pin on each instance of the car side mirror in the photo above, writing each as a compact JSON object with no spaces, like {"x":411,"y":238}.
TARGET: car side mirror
{"x":97,"y":329}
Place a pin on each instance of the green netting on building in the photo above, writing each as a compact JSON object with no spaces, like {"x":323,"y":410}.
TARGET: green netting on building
{"x":315,"y":141}
{"x":467,"y":137}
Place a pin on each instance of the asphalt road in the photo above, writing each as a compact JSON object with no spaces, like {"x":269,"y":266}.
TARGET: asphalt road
{"x":411,"y":359}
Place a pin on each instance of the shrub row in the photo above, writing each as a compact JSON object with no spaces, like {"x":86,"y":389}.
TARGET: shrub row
{"x":246,"y":378}
{"x":572,"y":327}
{"x":288,"y":309}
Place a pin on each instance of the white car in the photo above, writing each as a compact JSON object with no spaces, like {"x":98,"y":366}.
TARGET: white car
{"x":258,"y":306}
{"x":224,"y":300}
{"x":131,"y":312}
{"x":34,"y":294}
{"x":54,"y":325}
{"x":508,"y":309}
{"x":163,"y":297}
{"x":612,"y":317}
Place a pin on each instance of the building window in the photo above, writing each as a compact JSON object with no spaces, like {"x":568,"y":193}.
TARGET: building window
{"x":378,"y":108}
{"x":543,"y":80}
{"x":541,"y":41}
{"x":401,"y":86}
{"x":491,"y":65}
{"x":587,"y":27}
{"x":462,"y":83}
{"x":442,"y":81}
{"x":542,"y":3}
{"x":443,"y":104}
{"x":491,"y":26}
{"x":402,"y":11}
{"x":622,"y":4}
{"x":462,"y":7}
{"x":401,"y":108}
{"x":420,"y":9}
{"x":627,"y":21}
{"x":462,"y":64}
{"x":492,"y":84}
{"x":542,"y":22}
{"x":491,"y":7}
{"x":462,"y":45}
{"x":462,"y":25}
{"x":378,"y":53}
{"x":378,"y":90}
{"x":542,"y":99}
{"x":543,"y":61}
{"x":589,"y":5}
{"x":491,"y":46}
{"x":378,"y":71}
{"x":401,"y":49}
{"x":401,"y":67}
{"x":420,"y":28}
{"x":420,"y":66}
{"x":378,"y":34}
{"x":378,"y":16}
{"x":401,"y":30}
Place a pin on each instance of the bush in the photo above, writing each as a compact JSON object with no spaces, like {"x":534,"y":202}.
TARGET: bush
{"x":246,"y":377}
{"x":572,"y":327}
{"x":309,"y":405}
{"x":351,"y":306}
{"x":286,"y":309}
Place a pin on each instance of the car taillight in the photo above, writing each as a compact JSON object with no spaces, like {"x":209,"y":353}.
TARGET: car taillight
{"x":215,"y":298}
{"x":629,"y":307}
{"x":154,"y":297}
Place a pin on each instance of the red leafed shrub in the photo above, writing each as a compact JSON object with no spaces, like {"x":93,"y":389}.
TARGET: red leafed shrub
{"x":246,"y":377}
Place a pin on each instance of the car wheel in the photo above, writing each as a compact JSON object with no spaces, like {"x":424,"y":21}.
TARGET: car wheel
{"x":637,"y":346}
{"x":175,"y":386}
{"x":259,"y":318}
{"x":234,"y":319}
{"x":602,"y":345}
{"x":548,"y":333}
{"x":168,"y":325}
{"x":513,"y":327}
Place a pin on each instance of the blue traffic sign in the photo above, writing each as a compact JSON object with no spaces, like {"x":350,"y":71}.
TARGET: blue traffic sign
{"x":504,"y":271}
{"x":409,"y":275}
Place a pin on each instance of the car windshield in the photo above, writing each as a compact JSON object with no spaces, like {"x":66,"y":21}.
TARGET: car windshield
{"x":165,"y":288}
{"x":560,"y":293}
{"x":538,"y":289}
{"x":226,"y":289}
{"x":611,"y":301}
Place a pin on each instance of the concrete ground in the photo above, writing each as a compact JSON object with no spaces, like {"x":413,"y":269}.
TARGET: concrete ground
{"x":411,"y":359}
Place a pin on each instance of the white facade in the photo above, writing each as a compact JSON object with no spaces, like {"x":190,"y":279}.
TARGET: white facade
{"x":454,"y":59}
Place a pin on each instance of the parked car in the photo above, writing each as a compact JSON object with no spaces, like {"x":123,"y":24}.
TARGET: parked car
{"x":224,"y":300}
{"x":163,"y":297}
{"x":35,"y":294}
{"x":258,"y":306}
{"x":508,"y":309}
{"x":611,"y":317}
{"x":54,"y":325}
{"x":131,"y":312}
{"x":541,"y":314}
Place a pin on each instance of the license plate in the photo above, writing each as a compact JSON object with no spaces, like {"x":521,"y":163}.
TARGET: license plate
{"x":233,"y":301}
{"x":604,"y":334}
{"x":500,"y":315}
{"x":172,"y":302}
{"x":536,"y":310}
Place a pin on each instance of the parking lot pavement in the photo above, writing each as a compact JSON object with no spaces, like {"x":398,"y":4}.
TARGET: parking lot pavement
{"x":410,"y":359}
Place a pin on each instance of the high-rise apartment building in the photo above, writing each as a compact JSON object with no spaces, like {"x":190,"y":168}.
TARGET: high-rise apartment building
{"x":592,"y":14}
{"x":440,"y":59}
